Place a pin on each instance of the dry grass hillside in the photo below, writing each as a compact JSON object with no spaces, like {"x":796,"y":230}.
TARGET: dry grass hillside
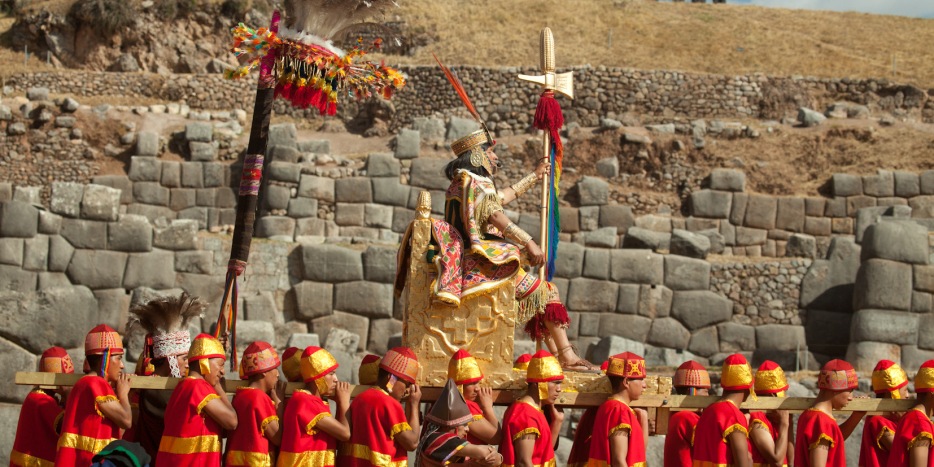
{"x":722,"y":38}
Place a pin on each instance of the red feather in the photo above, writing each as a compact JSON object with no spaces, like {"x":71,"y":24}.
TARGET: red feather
{"x":459,"y":88}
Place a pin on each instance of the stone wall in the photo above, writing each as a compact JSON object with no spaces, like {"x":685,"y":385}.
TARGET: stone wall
{"x":506,"y":103}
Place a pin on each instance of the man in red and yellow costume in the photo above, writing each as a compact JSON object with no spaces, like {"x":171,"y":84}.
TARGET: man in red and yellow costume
{"x":818,"y":440}
{"x":691,"y":379}
{"x":914,"y":434}
{"x":721,"y":435}
{"x":94,"y":413}
{"x":769,"y":433}
{"x":621,"y":433}
{"x":258,"y":409}
{"x":292,"y":364}
{"x":528,"y":435}
{"x":889,"y":381}
{"x":522,"y":363}
{"x":368,"y":372}
{"x":309,"y":433}
{"x":580,"y":449}
{"x":383,"y":432}
{"x":198,"y":410}
{"x":40,"y":417}
{"x":465,"y":371}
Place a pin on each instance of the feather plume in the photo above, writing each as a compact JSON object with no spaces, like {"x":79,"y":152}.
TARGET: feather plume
{"x":459,"y":88}
{"x":168,"y":313}
{"x":327,"y":18}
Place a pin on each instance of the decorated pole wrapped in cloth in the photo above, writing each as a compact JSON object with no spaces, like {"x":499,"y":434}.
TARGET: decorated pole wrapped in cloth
{"x":299,"y":63}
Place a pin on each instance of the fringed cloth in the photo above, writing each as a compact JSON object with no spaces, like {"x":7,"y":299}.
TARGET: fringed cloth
{"x":553,"y":311}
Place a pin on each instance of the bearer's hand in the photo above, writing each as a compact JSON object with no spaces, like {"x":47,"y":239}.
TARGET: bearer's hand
{"x":278,"y":393}
{"x":123,"y":387}
{"x":485,"y":397}
{"x":544,"y":168}
{"x":536,"y":257}
{"x":415,"y":395}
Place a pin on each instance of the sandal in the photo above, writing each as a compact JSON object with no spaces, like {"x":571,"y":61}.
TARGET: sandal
{"x":581,"y":365}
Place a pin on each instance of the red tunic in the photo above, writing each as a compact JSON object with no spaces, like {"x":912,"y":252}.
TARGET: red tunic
{"x":376,"y":419}
{"x":759,"y":419}
{"x":580,"y":450}
{"x":718,"y":421}
{"x":302,"y":444}
{"x":680,"y":439}
{"x":85,"y":430}
{"x":520,"y":419}
{"x":248,"y":446}
{"x":814,"y":426}
{"x":914,"y":425}
{"x":477,"y":415}
{"x":37,"y":431}
{"x":190,"y":438}
{"x":614,"y":416}
{"x":871,"y":452}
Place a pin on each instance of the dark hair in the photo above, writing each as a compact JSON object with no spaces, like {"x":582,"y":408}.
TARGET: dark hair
{"x":382,"y":377}
{"x":463,"y":162}
{"x":94,"y":363}
{"x":684,"y":390}
{"x":615,"y":382}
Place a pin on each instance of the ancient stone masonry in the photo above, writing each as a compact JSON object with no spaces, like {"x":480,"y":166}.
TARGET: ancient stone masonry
{"x":504,"y":102}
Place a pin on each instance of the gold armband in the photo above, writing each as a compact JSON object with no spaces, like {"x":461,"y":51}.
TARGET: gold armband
{"x":514,"y":234}
{"x":525,"y":184}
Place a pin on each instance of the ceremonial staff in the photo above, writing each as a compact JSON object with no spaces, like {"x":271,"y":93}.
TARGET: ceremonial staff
{"x":548,"y":117}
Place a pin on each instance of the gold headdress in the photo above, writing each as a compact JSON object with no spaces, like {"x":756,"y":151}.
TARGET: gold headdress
{"x":473,"y":142}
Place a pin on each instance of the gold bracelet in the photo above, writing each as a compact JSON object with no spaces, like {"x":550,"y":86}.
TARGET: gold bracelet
{"x":525,"y":184}
{"x":514,"y":234}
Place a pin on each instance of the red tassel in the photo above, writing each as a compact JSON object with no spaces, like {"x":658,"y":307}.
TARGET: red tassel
{"x":548,"y":115}
{"x":554,"y":312}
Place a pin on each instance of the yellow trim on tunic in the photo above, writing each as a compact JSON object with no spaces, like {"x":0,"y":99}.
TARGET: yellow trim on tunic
{"x":734,"y":427}
{"x":310,"y":428}
{"x":25,"y":460}
{"x":398,"y":428}
{"x":527,"y":431}
{"x":698,"y":463}
{"x":880,"y":435}
{"x":266,"y":422}
{"x":756,"y":423}
{"x":310,"y":458}
{"x":548,"y":463}
{"x":253,"y":459}
{"x":821,"y":437}
{"x":376,"y":458}
{"x":204,"y":402}
{"x":621,"y":427}
{"x":83,"y":443}
{"x":103,"y":400}
{"x":192,"y":445}
{"x":919,"y":437}
{"x":599,"y":463}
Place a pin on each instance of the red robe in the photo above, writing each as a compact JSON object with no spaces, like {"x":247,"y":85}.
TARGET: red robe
{"x":871,"y":452}
{"x":37,"y":431}
{"x":85,"y":430}
{"x":520,"y":419}
{"x":477,"y":413}
{"x":248,"y":446}
{"x":302,"y":444}
{"x":376,"y":419}
{"x":680,"y":439}
{"x":580,"y":450}
{"x":913,"y":426}
{"x":814,"y":426}
{"x":614,"y":416}
{"x":190,"y":438}
{"x":760,"y":419}
{"x":718,"y":421}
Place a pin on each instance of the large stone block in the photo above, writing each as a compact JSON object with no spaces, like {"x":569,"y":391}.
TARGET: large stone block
{"x":907,"y":184}
{"x":738,"y":208}
{"x":60,"y":253}
{"x":277,"y":197}
{"x":864,"y":355}
{"x":628,"y":299}
{"x":389,"y":191}
{"x":697,"y":309}
{"x":58,"y":309}
{"x":893,"y":327}
{"x":632,"y":327}
{"x":85,"y":234}
{"x":604,"y":237}
{"x":113,"y":308}
{"x":926,"y":339}
{"x":303,"y":207}
{"x":343,"y":321}
{"x":611,"y":215}
{"x":801,"y":246}
{"x":790,"y":214}
{"x":148,"y":144}
{"x":130,"y":233}
{"x":883,"y":284}
{"x":155,"y":269}
{"x":847,"y":185}
{"x":262,"y":307}
{"x":828,"y":284}
{"x":429,"y":173}
{"x":353,"y":190}
{"x":640,"y":238}
{"x":348,"y":214}
{"x":747,"y":236}
{"x":914,"y":357}
{"x":380,"y":332}
{"x":902,"y":241}
{"x":202,"y":152}
{"x":192,"y":174}
{"x":377,"y":215}
{"x":761,"y":212}
{"x":180,"y":234}
{"x":593,"y":191}
{"x":569,"y":262}
{"x":880,"y":185}
{"x":276,"y":227}
{"x":315,"y":227}
{"x":284,"y":172}
{"x":199,"y":131}
{"x":379,"y":264}
{"x":596,"y":264}
{"x":35,"y":253}
{"x":382,"y":165}
{"x":369,"y":299}
{"x":592,"y":295}
{"x":195,"y":262}
{"x":683,"y":273}
{"x":613,"y":345}
{"x":15,"y":278}
{"x":704,"y":341}
{"x":151,"y":193}
{"x":66,"y":198}
{"x":320,"y":188}
{"x":780,"y":337}
{"x":668,"y":332}
{"x":927,"y":182}
{"x":408,"y":144}
{"x":874,"y":214}
{"x":711,"y":204}
{"x":119,"y":182}
{"x":314,"y":299}
{"x":735,"y":337}
{"x":828,"y":332}
{"x":18,"y":219}
{"x":184,"y":198}
{"x":283,"y":134}
{"x":923,"y":278}
{"x":249,"y":331}
{"x":145,"y":169}
{"x":11,"y":251}
{"x":689,"y":244}
{"x":100,"y":203}
{"x":14,"y":358}
{"x":636,"y":266}
{"x":728,"y":180}
{"x":329,"y":263}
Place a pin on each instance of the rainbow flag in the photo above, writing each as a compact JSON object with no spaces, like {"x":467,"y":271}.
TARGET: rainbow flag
{"x":549,"y":117}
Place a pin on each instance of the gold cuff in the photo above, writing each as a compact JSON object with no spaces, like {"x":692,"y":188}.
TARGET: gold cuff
{"x":514,"y":234}
{"x":525,"y":184}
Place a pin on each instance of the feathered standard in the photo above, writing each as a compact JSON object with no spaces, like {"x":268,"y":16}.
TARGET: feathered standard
{"x":166,"y":320}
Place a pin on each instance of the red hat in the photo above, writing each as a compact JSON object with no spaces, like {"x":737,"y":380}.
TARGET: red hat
{"x":691,"y":375}
{"x":463,"y":368}
{"x":522,"y":363}
{"x":924,"y":380}
{"x":101,"y":339}
{"x":737,"y":374}
{"x":368,"y":374}
{"x":259,"y":357}
{"x":837,"y":375}
{"x":626,"y":365}
{"x":402,"y":363}
{"x":291,"y":364}
{"x":770,"y":379}
{"x":544,"y":367}
{"x":887,"y":376}
{"x":56,"y":360}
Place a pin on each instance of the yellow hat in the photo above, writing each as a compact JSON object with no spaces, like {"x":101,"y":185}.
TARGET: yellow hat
{"x":924,"y":380}
{"x":770,"y":379}
{"x":368,"y":374}
{"x":888,"y":377}
{"x":291,"y":364}
{"x":316,"y":363}
{"x":204,"y":348}
{"x":737,"y":374}
{"x":463,"y":368}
